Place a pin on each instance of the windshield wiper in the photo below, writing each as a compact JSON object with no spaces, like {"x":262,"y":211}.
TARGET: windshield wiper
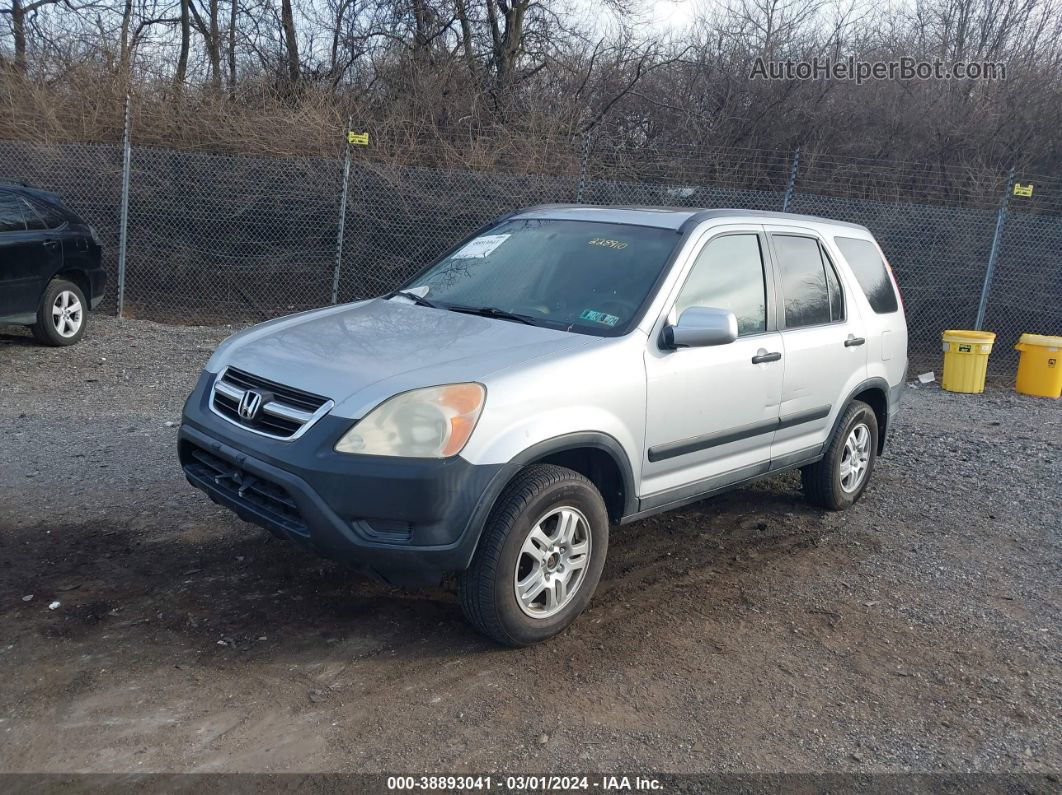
{"x":419,"y":300}
{"x":493,"y":311}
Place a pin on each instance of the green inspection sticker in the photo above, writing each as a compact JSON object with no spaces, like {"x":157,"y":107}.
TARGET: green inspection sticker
{"x":603,"y":318}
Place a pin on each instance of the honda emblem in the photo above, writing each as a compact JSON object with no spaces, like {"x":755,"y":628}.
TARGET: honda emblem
{"x":250,"y":403}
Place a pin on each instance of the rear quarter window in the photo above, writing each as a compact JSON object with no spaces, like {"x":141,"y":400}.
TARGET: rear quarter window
{"x":871,"y":273}
{"x":11,"y":219}
{"x":52,"y":217}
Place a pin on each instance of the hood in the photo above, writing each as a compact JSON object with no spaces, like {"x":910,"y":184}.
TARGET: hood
{"x":361,"y":354}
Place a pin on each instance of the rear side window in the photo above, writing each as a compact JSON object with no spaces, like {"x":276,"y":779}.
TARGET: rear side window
{"x":805,"y":285}
{"x":11,"y":219}
{"x":50,"y":216}
{"x":33,"y":219}
{"x":871,"y":273}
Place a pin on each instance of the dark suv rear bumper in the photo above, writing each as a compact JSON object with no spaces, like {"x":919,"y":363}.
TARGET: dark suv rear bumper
{"x":408,"y":521}
{"x":97,"y":286}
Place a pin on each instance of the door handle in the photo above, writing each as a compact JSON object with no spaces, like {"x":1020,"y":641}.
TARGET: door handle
{"x":852,"y":341}
{"x":766,"y":357}
{"x":51,"y":243}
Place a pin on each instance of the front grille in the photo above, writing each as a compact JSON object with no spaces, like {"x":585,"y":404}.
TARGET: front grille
{"x":283,"y":411}
{"x":263,"y":496}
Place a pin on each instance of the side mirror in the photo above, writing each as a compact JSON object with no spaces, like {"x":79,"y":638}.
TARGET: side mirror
{"x":700,"y":326}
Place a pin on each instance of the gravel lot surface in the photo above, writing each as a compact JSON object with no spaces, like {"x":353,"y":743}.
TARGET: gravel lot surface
{"x":918,"y":631}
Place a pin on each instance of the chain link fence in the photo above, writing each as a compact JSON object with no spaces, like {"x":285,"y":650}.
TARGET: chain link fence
{"x":229,"y":238}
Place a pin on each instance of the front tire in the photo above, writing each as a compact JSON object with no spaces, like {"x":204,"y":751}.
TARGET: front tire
{"x":62,"y":314}
{"x":840,"y":478}
{"x":540,"y":557}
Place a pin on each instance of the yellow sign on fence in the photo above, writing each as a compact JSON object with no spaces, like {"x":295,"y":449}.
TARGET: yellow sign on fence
{"x":358,"y":139}
{"x":1023,"y":190}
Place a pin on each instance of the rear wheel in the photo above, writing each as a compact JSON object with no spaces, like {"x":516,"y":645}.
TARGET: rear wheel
{"x":840,"y":478}
{"x":540,"y":557}
{"x":62,"y":314}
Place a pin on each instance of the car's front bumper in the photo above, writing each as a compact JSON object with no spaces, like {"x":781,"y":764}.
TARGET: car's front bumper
{"x":407,"y":520}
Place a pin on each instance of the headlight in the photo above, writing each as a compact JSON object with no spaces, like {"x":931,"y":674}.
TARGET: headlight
{"x":434,"y":422}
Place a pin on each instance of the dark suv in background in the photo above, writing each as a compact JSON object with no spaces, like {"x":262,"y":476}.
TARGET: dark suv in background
{"x":51,"y":270}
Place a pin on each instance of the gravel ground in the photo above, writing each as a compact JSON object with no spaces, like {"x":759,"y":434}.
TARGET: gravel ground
{"x":918,"y":631}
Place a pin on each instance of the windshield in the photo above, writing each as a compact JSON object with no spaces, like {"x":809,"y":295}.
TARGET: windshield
{"x":583,"y":276}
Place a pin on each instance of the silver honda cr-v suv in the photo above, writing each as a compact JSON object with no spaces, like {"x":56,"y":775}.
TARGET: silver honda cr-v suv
{"x":562,"y":369}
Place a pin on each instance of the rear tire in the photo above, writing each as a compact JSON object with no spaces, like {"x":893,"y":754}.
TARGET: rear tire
{"x":539,"y":559}
{"x":62,"y":315}
{"x":840,"y":478}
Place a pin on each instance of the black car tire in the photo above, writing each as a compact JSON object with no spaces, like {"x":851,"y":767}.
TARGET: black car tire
{"x":822,"y":480}
{"x":45,"y":329}
{"x":487,"y":589}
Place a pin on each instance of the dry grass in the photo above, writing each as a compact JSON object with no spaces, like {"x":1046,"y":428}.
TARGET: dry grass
{"x":87,"y":104}
{"x":86,"y":107}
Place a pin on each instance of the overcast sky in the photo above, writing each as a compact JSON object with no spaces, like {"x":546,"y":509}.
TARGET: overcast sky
{"x":665,"y":16}
{"x":673,"y":13}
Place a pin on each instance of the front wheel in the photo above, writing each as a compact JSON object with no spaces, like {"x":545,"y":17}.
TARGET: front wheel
{"x":840,"y":478}
{"x":540,"y":557}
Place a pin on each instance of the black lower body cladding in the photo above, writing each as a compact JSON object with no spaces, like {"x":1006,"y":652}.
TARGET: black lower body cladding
{"x":408,"y":521}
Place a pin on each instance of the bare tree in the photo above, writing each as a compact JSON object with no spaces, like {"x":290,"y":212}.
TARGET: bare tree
{"x":506,"y":19}
{"x":19,"y":12}
{"x":467,"y":45}
{"x":186,"y":37}
{"x":291,"y":41}
{"x":234,"y":9}
{"x":211,"y":33}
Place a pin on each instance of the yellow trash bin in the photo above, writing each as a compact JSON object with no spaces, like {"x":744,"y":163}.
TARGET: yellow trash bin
{"x":966,"y":360}
{"x":1040,"y":366}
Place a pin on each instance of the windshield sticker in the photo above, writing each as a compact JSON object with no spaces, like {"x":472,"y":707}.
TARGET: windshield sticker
{"x":603,"y":318}
{"x":619,"y":245}
{"x":480,"y":247}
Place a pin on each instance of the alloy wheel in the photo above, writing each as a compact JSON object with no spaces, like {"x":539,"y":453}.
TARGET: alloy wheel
{"x":855,"y":459}
{"x":67,"y":314}
{"x":552,"y":562}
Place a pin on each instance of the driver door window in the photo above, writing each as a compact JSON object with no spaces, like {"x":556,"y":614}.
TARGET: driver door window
{"x":728,"y":274}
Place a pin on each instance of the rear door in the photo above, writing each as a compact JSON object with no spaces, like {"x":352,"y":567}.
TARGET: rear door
{"x":56,"y":224}
{"x":824,"y":341}
{"x":28,"y":258}
{"x":883,"y":310}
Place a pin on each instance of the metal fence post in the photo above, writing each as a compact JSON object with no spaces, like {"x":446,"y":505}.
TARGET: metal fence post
{"x":342,"y":213}
{"x":123,"y":227}
{"x":582,"y":168}
{"x":790,"y":187}
{"x":997,"y":240}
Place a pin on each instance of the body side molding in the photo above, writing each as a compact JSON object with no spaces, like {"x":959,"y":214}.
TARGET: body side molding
{"x":662,"y":452}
